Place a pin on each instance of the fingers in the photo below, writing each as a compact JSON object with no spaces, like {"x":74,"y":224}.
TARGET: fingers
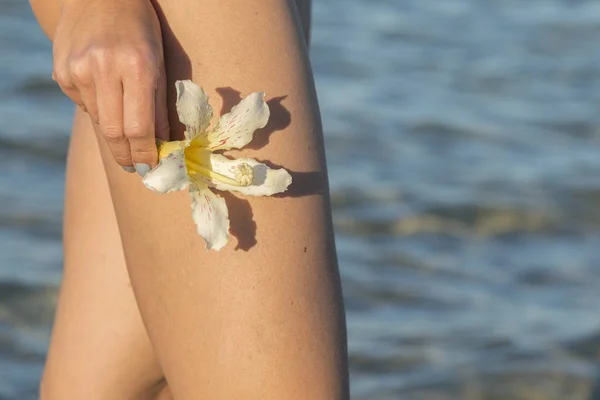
{"x":88,"y":97}
{"x":64,"y":81}
{"x":125,"y":94}
{"x":139,"y":90}
{"x":89,"y":83}
{"x":74,"y":77}
{"x":110,"y":110}
{"x":163,"y":131}
{"x":81,"y":74}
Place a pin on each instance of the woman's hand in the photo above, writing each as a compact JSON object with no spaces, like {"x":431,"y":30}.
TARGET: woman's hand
{"x":108,"y":58}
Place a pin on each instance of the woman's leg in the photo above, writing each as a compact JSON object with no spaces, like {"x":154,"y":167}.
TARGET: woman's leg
{"x":305,"y":13}
{"x":99,"y":346}
{"x":265,"y":321}
{"x":99,"y":349}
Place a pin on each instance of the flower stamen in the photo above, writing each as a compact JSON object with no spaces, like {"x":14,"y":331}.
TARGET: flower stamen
{"x":243,"y":174}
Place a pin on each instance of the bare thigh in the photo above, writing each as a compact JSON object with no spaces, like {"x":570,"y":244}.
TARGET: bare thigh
{"x":263,"y":318}
{"x":99,"y":347}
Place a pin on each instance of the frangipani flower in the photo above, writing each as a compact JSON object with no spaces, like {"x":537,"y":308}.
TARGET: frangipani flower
{"x":192,"y":162}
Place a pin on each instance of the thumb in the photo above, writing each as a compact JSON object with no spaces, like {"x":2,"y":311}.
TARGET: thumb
{"x":162,"y":112}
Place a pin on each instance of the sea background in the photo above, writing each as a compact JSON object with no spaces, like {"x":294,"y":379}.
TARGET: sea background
{"x":463,"y":140}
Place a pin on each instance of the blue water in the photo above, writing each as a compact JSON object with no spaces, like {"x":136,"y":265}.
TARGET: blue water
{"x":463,"y":140}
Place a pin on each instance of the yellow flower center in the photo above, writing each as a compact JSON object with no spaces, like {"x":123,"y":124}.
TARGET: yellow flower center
{"x":197,"y":162}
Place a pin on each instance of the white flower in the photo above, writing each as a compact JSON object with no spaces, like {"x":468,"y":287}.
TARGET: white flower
{"x":192,"y":162}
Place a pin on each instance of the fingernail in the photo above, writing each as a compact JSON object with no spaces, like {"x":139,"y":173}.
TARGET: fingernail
{"x":129,"y":169}
{"x":142,"y":169}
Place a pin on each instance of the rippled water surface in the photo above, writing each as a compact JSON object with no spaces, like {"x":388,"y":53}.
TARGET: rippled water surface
{"x":463,"y":142}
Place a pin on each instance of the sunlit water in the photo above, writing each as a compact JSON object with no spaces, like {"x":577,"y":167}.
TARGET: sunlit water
{"x":463,"y":144}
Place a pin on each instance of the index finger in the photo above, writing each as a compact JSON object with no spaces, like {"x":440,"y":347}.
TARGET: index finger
{"x":139,"y":121}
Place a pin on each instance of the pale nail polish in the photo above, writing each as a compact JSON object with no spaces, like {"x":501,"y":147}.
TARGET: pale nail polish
{"x":142,"y":169}
{"x":129,"y":169}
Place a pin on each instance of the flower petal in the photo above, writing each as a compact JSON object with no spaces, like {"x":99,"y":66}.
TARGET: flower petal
{"x":265,"y":181}
{"x":169,"y":175}
{"x":211,"y":216}
{"x":193,"y":108}
{"x":236,"y":128}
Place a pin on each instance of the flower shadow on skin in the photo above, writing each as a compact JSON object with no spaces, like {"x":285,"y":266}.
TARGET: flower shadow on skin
{"x":280,"y":117}
{"x":179,"y":67}
{"x":303,"y":183}
{"x":242,"y":224}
